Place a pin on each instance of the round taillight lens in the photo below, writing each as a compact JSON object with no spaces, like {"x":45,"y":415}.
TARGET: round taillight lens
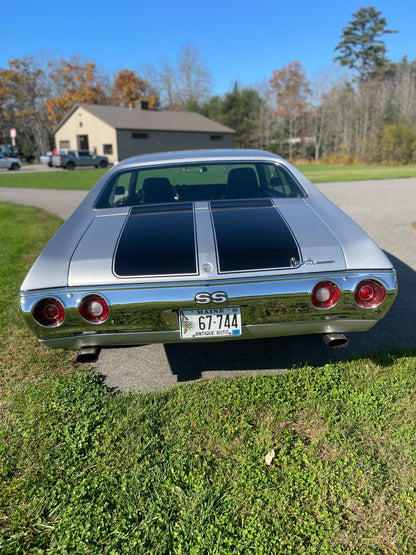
{"x":369,"y":293}
{"x":49,"y":312}
{"x":325,"y":294}
{"x":94,"y":309}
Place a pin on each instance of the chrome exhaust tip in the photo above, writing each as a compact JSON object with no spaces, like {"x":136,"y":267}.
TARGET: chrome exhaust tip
{"x":335,"y":340}
{"x":88,"y":354}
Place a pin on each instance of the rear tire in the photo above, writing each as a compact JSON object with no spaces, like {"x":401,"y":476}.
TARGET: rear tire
{"x":103,"y":164}
{"x":70,"y":166}
{"x":14,"y":167}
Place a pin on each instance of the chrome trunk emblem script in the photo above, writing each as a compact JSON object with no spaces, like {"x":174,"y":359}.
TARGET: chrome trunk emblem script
{"x":309,"y":262}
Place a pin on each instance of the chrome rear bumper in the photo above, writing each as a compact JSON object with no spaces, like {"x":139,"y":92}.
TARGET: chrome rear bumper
{"x":270,"y":307}
{"x":249,"y":332}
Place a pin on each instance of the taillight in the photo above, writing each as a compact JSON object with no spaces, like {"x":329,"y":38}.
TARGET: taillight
{"x":325,"y":294}
{"x":369,"y":293}
{"x":49,"y":312}
{"x":94,"y":309}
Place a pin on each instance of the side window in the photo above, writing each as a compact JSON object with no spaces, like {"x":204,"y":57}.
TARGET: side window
{"x":118,"y":190}
{"x":280,"y":184}
{"x":275,"y":184}
{"x":121,"y":189}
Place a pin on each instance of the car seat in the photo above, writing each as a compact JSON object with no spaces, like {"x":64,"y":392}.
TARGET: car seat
{"x":157,"y":190}
{"x":242,"y":183}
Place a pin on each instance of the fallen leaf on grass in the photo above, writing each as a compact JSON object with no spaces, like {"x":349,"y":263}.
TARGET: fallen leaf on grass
{"x":269,"y":457}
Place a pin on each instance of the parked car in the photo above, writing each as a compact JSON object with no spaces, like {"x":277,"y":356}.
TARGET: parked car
{"x":10,"y":162}
{"x":205,"y":246}
{"x":46,"y":159}
{"x":72,"y":158}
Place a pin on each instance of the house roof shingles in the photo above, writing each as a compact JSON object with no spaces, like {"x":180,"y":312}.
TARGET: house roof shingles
{"x":151,"y":120}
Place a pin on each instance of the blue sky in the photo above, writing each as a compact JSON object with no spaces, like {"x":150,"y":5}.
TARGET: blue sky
{"x":239,"y":41}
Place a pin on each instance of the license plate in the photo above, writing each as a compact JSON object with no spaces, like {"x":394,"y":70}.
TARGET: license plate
{"x":203,"y":323}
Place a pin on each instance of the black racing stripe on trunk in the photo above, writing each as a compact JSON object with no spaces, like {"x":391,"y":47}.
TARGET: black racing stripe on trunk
{"x":157,"y":240}
{"x":252,"y":237}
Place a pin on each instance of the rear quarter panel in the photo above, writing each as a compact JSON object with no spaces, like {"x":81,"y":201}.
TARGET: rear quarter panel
{"x":360,"y":251}
{"x":51,"y":268}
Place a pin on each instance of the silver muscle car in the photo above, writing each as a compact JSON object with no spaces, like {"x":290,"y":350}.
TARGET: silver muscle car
{"x":205,"y":246}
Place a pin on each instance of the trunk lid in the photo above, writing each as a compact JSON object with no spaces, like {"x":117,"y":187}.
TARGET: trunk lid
{"x":204,"y":240}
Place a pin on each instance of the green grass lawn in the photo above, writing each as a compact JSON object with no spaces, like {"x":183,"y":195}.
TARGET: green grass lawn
{"x":322,"y":174}
{"x":85,"y":179}
{"x":77,"y":179}
{"x":86,"y":470}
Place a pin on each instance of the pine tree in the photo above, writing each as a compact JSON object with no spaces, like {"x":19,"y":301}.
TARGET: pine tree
{"x":361,"y":47}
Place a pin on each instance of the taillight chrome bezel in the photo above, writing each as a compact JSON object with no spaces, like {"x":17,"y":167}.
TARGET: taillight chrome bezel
{"x":325,"y":295}
{"x":89,"y":309}
{"x":369,"y":293}
{"x":49,"y":312}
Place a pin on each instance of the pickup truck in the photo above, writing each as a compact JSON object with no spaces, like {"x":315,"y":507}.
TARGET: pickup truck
{"x":70,"y":158}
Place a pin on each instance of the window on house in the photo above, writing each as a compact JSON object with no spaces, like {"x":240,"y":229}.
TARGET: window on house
{"x":216,"y":137}
{"x":108,"y":149}
{"x":64,"y":145}
{"x":140,"y":135}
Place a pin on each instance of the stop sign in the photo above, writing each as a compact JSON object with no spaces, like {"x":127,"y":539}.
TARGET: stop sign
{"x":13,"y":133}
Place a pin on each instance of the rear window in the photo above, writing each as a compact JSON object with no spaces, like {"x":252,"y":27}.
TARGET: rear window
{"x":199,"y":182}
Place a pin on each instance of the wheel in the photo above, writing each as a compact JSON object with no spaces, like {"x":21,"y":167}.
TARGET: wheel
{"x":70,"y":166}
{"x":103,"y":164}
{"x":14,"y":166}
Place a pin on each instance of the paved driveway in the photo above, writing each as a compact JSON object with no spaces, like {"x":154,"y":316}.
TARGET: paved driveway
{"x":61,"y":203}
{"x":385,"y":209}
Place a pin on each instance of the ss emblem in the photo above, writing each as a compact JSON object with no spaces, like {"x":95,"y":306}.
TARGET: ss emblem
{"x":217,"y":297}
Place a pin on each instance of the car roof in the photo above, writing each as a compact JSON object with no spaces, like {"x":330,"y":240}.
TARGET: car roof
{"x":193,"y":156}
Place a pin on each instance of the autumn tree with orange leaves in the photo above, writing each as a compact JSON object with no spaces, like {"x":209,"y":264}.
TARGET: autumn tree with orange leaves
{"x":23,"y":91}
{"x":129,"y":88}
{"x":75,"y":83}
{"x":291,"y":90}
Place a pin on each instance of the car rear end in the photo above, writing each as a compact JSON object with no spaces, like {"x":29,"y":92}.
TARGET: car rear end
{"x":134,"y":270}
